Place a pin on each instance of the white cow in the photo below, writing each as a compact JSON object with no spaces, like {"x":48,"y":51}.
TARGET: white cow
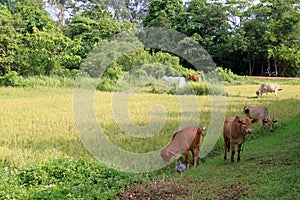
{"x":259,"y":113}
{"x":268,"y":87}
{"x":180,"y":81}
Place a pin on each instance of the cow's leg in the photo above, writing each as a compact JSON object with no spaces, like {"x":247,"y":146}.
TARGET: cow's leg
{"x":187,"y":159}
{"x":232,"y":151}
{"x":225,"y":148}
{"x":261,"y":122}
{"x":275,"y":93}
{"x":176,"y":163}
{"x":239,"y":151}
{"x":195,"y":154}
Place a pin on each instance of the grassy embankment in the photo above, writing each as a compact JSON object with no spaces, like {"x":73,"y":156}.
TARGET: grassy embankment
{"x":37,"y":126}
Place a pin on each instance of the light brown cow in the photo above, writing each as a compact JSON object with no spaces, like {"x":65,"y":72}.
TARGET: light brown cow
{"x":268,"y":87}
{"x":183,"y":141}
{"x":259,"y":113}
{"x":194,"y":77}
{"x":234,"y":132}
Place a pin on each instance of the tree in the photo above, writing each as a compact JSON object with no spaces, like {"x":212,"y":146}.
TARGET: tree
{"x":9,"y":39}
{"x":282,"y":36}
{"x":163,"y":13}
{"x":266,"y":32}
{"x":207,"y":23}
{"x":93,"y":26}
{"x":133,"y":11}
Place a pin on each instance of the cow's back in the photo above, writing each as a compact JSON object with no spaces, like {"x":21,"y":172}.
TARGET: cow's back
{"x":183,"y":139}
{"x":256,"y":112}
{"x":229,"y":127}
{"x":272,"y":86}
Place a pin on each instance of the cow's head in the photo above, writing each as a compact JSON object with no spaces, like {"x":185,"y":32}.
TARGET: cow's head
{"x":245,"y":125}
{"x":257,"y":93}
{"x":270,"y":123}
{"x":167,"y":156}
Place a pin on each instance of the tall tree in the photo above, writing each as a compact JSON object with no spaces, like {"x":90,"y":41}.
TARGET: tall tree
{"x":9,"y":39}
{"x":130,"y":10}
{"x":207,"y":23}
{"x":93,"y":26}
{"x":282,"y":36}
{"x":163,"y":13}
{"x":61,"y":7}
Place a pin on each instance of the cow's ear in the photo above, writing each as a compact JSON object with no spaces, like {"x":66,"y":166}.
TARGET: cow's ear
{"x":203,"y":129}
{"x":237,"y":119}
{"x":246,"y":110}
{"x":265,"y":121}
{"x":253,"y":121}
{"x":274,"y":120}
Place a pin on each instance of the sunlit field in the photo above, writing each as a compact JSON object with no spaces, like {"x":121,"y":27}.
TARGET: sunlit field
{"x":36,"y":124}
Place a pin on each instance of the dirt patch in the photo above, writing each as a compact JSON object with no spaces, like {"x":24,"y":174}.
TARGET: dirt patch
{"x":278,"y":77}
{"x":178,"y":188}
{"x":174,"y":188}
{"x":234,"y":191}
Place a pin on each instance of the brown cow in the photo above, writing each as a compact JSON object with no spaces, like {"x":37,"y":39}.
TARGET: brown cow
{"x":259,"y":113}
{"x":234,"y":132}
{"x":194,"y":77}
{"x":183,"y":141}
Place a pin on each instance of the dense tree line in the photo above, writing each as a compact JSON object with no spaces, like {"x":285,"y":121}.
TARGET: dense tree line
{"x":53,"y":37}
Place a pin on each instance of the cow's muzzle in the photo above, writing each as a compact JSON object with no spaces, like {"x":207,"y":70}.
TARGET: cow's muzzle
{"x":249,"y":131}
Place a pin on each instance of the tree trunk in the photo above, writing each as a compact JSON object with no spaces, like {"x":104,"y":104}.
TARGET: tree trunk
{"x":62,"y":16}
{"x":276,"y":71}
{"x":249,"y":64}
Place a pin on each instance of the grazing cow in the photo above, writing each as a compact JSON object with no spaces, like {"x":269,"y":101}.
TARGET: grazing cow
{"x":180,"y":81}
{"x":234,"y":132}
{"x":194,"y":77}
{"x":183,"y":141}
{"x":268,"y":87}
{"x":259,"y":113}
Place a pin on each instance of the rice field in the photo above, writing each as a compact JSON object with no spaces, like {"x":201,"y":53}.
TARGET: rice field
{"x":37,"y":124}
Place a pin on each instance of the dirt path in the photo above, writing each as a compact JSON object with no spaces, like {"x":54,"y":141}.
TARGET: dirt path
{"x":269,"y":77}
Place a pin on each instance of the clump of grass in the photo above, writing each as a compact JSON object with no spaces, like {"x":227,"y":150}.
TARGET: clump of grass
{"x":63,"y":178}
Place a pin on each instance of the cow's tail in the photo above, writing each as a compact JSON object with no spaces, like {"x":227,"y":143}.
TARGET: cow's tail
{"x":200,"y":131}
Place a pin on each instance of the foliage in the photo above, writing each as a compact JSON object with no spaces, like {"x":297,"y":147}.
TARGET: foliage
{"x":163,"y":13}
{"x":9,"y":38}
{"x":266,"y":32}
{"x":33,"y":45}
{"x":245,"y":37}
{"x":93,"y":26}
{"x":133,"y":11}
{"x":63,"y":178}
{"x":14,"y":79}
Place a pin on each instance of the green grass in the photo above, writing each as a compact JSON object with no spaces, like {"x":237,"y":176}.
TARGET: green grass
{"x":38,"y":137}
{"x":269,"y":169}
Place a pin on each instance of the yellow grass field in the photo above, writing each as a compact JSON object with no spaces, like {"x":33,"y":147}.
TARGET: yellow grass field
{"x":37,"y":124}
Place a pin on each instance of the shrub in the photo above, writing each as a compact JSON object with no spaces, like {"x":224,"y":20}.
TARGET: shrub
{"x":11,"y":79}
{"x":64,"y":178}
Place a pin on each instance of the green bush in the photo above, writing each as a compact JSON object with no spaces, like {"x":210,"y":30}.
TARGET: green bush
{"x":63,"y":178}
{"x":11,"y":79}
